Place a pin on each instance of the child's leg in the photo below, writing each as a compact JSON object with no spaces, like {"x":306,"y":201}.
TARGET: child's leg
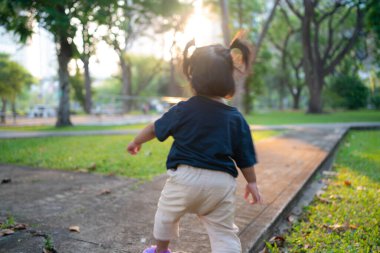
{"x":221,"y":229}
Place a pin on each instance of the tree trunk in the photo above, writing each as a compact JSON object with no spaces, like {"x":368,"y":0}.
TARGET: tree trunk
{"x":64,"y":56}
{"x":87,"y":85}
{"x":3,"y":111}
{"x":14,"y":112}
{"x":225,"y":22}
{"x":315,"y":89}
{"x":127,"y":84}
{"x":296,"y":99}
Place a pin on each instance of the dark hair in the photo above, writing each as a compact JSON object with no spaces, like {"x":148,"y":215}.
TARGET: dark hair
{"x":210,"y":68}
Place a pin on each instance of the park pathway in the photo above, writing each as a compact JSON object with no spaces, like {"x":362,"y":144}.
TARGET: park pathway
{"x":116,"y":214}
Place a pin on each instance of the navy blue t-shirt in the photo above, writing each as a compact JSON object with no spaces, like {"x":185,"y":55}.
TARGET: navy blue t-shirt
{"x":207,"y":134}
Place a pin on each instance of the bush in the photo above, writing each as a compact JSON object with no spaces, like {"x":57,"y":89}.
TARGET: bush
{"x":350,"y":92}
{"x":375,"y":100}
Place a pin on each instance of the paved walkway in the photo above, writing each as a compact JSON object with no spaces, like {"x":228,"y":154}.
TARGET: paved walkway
{"x":121,"y":221}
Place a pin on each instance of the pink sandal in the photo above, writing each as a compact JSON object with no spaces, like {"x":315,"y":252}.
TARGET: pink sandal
{"x":152,"y":249}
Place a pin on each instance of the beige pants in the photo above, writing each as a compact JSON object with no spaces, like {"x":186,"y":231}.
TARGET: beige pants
{"x":210,"y":195}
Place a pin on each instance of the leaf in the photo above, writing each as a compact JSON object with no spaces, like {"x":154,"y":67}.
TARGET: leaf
{"x":361,"y":188}
{"x":105,"y":192}
{"x":329,"y":173}
{"x":5,"y":232}
{"x":278,"y":240}
{"x":292,"y":218}
{"x":6,"y":180}
{"x":307,"y":246}
{"x":341,"y":227}
{"x":347,"y":183}
{"x":19,"y":226}
{"x":92,"y":167}
{"x":74,"y":229}
{"x":334,"y":196}
{"x":324,"y":200}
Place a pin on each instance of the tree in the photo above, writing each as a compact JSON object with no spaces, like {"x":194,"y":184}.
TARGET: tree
{"x":56,"y":16}
{"x":13,"y":77}
{"x":284,"y":36}
{"x":329,"y":20}
{"x":129,"y":20}
{"x":241,"y":16}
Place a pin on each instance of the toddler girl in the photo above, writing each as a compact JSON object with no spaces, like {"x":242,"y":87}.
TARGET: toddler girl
{"x":212,"y":141}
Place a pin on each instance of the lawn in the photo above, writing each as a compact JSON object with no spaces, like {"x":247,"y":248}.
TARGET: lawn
{"x":268,"y":118}
{"x":300,"y":117}
{"x":71,"y":128}
{"x":101,"y":154}
{"x":346,"y":217}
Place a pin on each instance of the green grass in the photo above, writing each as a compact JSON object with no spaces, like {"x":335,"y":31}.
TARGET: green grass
{"x":70,"y":128}
{"x":351,"y":203}
{"x":80,"y":153}
{"x":300,"y":117}
{"x":269,"y":118}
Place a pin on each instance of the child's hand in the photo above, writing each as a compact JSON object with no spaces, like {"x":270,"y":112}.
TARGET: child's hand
{"x":133,"y":148}
{"x":251,"y":189}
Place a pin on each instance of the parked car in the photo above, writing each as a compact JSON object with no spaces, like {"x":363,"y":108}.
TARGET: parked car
{"x":41,"y":111}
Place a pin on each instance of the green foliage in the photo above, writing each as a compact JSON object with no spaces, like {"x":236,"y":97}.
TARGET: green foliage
{"x":351,"y":207}
{"x":147,"y":75}
{"x":375,"y":100}
{"x":350,"y":92}
{"x":49,"y":245}
{"x":77,"y":83}
{"x":8,"y":223}
{"x":13,"y":78}
{"x":104,"y":154}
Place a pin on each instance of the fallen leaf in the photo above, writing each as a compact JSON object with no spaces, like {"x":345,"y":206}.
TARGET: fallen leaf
{"x":278,"y":240}
{"x":324,"y":200}
{"x":361,"y":188}
{"x":320,"y":192}
{"x":92,"y":167}
{"x":328,"y":173}
{"x":4,"y":232}
{"x":6,"y":181}
{"x":292,"y":218}
{"x":341,"y":227}
{"x":19,"y":226}
{"x":74,"y":229}
{"x":334,"y":196}
{"x":105,"y":192}
{"x":347,"y":183}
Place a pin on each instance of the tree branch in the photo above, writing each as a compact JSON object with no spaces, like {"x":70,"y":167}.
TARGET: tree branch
{"x":329,"y":13}
{"x":265,"y":30}
{"x":330,"y":39}
{"x":291,"y":6}
{"x":349,"y":45}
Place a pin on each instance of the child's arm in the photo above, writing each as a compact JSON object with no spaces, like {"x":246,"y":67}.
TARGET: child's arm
{"x":251,"y":187}
{"x":145,"y":135}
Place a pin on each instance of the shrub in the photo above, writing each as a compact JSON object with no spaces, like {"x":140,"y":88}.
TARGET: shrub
{"x":350,"y":91}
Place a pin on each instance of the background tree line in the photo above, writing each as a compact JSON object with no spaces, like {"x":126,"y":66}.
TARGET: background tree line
{"x":308,"y":50}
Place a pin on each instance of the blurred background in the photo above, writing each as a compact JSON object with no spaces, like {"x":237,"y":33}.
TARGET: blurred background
{"x":121,"y":59}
